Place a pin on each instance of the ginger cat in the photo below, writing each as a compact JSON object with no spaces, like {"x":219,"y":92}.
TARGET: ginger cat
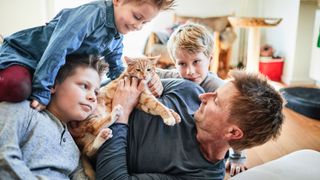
{"x":94,"y":131}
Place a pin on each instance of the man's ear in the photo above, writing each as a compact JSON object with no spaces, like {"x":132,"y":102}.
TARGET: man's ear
{"x":234,"y":132}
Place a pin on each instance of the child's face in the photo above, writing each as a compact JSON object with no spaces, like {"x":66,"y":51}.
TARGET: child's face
{"x":131,"y":16}
{"x":76,"y":97}
{"x":194,"y":67}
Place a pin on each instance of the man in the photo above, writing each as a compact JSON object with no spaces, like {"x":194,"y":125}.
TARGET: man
{"x":243,"y":113}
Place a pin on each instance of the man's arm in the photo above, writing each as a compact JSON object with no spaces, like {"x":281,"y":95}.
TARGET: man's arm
{"x":112,"y":158}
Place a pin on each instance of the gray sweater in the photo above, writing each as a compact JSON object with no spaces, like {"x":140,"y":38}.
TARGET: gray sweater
{"x":35,"y":145}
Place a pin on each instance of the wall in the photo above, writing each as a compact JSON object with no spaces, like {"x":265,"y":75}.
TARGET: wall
{"x":17,"y":15}
{"x":302,"y":58}
{"x":283,"y":37}
{"x":315,"y":57}
{"x":206,"y":8}
{"x":292,"y":38}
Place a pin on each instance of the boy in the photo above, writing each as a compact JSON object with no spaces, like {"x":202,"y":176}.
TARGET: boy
{"x":191,"y":47}
{"x":30,"y":59}
{"x":38,"y":144}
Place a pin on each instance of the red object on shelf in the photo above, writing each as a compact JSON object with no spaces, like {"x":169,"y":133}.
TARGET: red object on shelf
{"x":272,"y":68}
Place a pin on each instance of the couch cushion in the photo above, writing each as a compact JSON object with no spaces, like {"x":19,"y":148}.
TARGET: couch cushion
{"x":302,"y":164}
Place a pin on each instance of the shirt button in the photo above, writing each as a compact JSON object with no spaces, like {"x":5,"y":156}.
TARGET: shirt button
{"x":64,"y":139}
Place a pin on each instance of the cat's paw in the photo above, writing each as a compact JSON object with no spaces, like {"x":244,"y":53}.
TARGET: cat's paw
{"x":169,"y":121}
{"x":176,"y":116}
{"x":105,"y":134}
{"x":116,"y":112}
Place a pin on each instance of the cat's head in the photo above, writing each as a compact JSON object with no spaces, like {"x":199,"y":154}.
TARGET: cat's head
{"x":141,"y":67}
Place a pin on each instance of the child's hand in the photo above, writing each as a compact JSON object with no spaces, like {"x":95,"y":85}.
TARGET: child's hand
{"x":37,"y":106}
{"x":127,"y":95}
{"x":155,"y":85}
{"x":235,"y":167}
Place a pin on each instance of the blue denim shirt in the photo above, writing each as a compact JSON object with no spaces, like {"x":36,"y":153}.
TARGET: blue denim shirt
{"x":87,"y":29}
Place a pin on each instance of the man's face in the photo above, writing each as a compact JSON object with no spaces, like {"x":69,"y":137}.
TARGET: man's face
{"x":213,"y":113}
{"x":193,"y":67}
{"x":76,"y":97}
{"x":131,"y":16}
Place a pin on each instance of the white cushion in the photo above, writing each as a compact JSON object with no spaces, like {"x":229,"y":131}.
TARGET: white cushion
{"x":298,"y":165}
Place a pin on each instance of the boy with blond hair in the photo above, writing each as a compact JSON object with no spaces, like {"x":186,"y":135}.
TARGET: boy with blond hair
{"x":191,"y":49}
{"x":30,"y":59}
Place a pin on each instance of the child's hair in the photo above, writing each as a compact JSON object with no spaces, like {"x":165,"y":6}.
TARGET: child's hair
{"x":257,"y":109}
{"x":191,"y":37}
{"x":160,"y":4}
{"x":87,"y":61}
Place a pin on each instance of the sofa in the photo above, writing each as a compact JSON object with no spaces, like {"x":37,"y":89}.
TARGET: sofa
{"x":298,"y":165}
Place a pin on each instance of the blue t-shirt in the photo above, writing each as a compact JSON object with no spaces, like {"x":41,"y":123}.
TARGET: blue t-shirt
{"x":87,"y":29}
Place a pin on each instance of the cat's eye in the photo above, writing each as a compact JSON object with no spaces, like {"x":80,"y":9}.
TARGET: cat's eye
{"x":138,"y":70}
{"x":148,"y":70}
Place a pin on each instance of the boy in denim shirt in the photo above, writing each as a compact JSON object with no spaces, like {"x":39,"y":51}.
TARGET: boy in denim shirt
{"x":30,"y":59}
{"x":38,"y":145}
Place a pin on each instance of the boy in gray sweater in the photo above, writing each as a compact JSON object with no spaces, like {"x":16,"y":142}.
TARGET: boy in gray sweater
{"x":38,"y":145}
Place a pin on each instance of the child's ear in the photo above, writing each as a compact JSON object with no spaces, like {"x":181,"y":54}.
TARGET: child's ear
{"x":53,"y":89}
{"x":128,"y":60}
{"x":210,"y":59}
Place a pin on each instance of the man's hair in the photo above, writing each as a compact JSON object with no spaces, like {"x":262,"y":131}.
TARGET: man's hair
{"x":191,"y":37}
{"x":256,"y":109}
{"x":160,"y":4}
{"x":86,"y":61}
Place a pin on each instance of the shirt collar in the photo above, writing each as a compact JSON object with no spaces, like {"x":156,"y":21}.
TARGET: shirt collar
{"x":62,"y":125}
{"x":110,"y":22}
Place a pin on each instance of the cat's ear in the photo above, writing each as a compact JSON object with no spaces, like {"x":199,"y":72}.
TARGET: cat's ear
{"x":128,"y":60}
{"x":154,"y":59}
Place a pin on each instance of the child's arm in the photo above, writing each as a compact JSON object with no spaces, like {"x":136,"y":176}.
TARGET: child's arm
{"x":67,"y":37}
{"x":167,"y":73}
{"x":114,"y":60}
{"x":236,"y":162}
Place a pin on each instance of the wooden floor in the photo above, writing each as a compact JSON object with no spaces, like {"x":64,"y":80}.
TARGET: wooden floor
{"x":298,"y":132}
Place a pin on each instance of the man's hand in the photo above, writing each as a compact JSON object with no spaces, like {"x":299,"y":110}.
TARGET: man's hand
{"x":37,"y":105}
{"x":127,"y":95}
{"x":155,"y":85}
